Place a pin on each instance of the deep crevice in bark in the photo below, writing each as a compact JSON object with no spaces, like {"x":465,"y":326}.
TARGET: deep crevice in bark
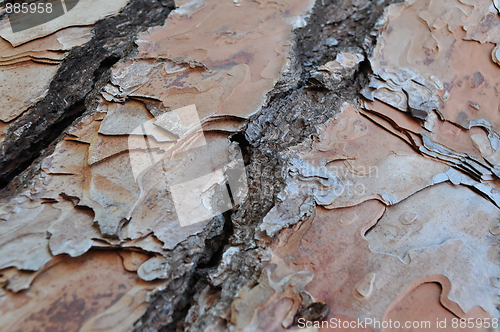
{"x":288,"y":119}
{"x":75,"y":80}
{"x":198,"y":280}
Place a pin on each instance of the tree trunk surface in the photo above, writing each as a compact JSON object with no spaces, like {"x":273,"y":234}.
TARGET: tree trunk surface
{"x":248,"y":165}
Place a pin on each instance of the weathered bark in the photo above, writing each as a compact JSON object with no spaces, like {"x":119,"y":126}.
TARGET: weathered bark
{"x":224,"y":274}
{"x":73,"y":88}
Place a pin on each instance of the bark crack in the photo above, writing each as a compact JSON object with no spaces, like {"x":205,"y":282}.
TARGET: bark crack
{"x":73,"y":88}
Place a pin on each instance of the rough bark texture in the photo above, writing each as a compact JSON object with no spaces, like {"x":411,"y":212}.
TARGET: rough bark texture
{"x":295,"y":107}
{"x":74,"y":87}
{"x":232,"y":254}
{"x":288,"y":119}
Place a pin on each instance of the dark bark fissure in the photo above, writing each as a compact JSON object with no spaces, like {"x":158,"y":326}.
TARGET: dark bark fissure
{"x":199,"y":279}
{"x":288,"y":119}
{"x":74,"y":84}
